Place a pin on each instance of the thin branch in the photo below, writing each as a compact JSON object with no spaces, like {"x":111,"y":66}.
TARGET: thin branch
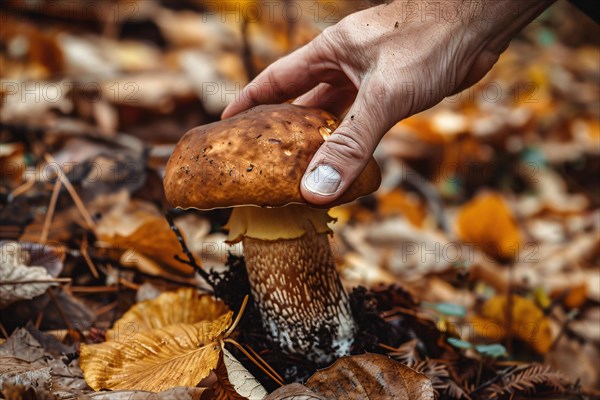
{"x":191,"y":261}
{"x":431,"y":195}
{"x":247,"y":51}
{"x":76,"y":199}
{"x":50,"y":211}
{"x":50,"y":280}
{"x":258,"y":364}
{"x":19,"y":190}
{"x":3,"y":331}
{"x":86,"y":256}
{"x":62,"y":315}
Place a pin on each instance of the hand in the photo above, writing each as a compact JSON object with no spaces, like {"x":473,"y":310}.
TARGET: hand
{"x":386,"y":63}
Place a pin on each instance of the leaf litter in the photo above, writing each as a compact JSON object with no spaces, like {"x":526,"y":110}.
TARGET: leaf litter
{"x":473,"y":271}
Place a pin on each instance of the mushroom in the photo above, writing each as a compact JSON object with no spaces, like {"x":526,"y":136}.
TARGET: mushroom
{"x":254,"y":162}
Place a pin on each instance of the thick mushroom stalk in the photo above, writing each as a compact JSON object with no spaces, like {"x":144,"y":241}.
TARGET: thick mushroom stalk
{"x":294,"y":281}
{"x":257,"y":158}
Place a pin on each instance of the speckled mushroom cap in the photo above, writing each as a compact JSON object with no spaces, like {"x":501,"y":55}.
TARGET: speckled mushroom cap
{"x":257,"y":157}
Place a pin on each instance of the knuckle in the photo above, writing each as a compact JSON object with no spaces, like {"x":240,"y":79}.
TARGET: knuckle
{"x":348,"y":146}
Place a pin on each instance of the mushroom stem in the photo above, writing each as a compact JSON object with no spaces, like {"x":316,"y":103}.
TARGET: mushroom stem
{"x":298,"y":291}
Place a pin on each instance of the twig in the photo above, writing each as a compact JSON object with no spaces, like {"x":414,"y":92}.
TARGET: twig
{"x":387,"y":347}
{"x":291,"y":25}
{"x":247,"y":51}
{"x":19,"y":190}
{"x":50,"y":280}
{"x":258,"y":364}
{"x":50,"y":211}
{"x":191,"y":261}
{"x":266,"y":364}
{"x":563,"y":329}
{"x":419,"y":183}
{"x":499,"y":376}
{"x":76,"y":199}
{"x":129,"y":285}
{"x":509,"y":311}
{"x":92,"y":289}
{"x":62,"y":315}
{"x":86,"y":256}
{"x":38,"y":320}
{"x":118,"y":297}
{"x":106,"y":308}
{"x":3,"y":331}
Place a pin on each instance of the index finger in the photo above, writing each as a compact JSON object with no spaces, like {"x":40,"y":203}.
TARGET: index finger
{"x":288,"y":77}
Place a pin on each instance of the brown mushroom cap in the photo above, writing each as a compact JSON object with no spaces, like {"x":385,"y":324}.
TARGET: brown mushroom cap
{"x":257,"y":157}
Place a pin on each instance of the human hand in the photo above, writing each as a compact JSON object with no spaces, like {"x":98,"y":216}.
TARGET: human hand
{"x":385,"y":65}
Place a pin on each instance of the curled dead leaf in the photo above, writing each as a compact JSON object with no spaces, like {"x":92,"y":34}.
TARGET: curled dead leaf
{"x":140,"y":227}
{"x":20,"y":278}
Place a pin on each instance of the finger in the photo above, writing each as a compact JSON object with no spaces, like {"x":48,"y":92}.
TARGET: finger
{"x":347,"y":151}
{"x":286,"y":78}
{"x":334,"y":98}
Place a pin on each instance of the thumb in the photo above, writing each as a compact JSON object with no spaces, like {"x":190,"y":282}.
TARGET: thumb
{"x":343,"y":156}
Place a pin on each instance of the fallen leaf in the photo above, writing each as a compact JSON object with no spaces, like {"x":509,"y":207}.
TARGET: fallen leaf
{"x":488,"y":223}
{"x":528,"y":322}
{"x":578,"y":361}
{"x":179,"y":393}
{"x":19,"y":280}
{"x":365,"y":376}
{"x":399,"y":202}
{"x":234,"y":381}
{"x":184,"y":306}
{"x":294,"y":391}
{"x":574,"y":296}
{"x":140,"y":227}
{"x":24,"y":362}
{"x":176,"y":355}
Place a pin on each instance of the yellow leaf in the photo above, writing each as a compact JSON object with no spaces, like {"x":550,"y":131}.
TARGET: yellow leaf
{"x":528,"y":322}
{"x":181,"y":306}
{"x":176,"y":355}
{"x":488,"y":223}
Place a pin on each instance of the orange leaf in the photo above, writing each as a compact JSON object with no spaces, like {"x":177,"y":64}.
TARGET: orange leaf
{"x":528,"y":322}
{"x":488,"y":223}
{"x":400,"y":202}
{"x":139,"y":226}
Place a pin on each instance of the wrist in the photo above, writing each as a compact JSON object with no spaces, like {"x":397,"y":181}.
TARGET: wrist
{"x":497,"y":21}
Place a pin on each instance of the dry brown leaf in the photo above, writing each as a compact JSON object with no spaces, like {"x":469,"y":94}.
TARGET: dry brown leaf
{"x":24,"y":362}
{"x":488,"y":223}
{"x":365,"y":376}
{"x":528,"y":322}
{"x":371,"y":376}
{"x":156,"y":360}
{"x":578,"y":361}
{"x":139,"y":226}
{"x":184,"y":306}
{"x":294,"y":391}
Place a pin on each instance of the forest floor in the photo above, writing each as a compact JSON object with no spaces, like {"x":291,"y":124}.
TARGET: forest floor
{"x":473,"y":271}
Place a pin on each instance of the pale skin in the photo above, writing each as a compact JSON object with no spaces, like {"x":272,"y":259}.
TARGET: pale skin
{"x":382,"y":65}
